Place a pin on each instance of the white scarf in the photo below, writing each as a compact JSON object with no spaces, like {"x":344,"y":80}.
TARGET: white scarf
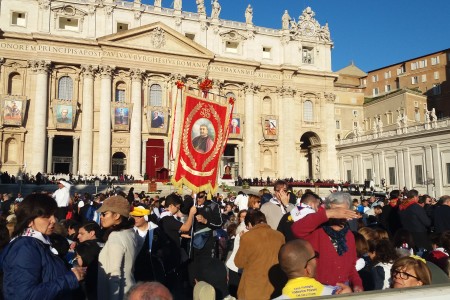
{"x":30,"y":232}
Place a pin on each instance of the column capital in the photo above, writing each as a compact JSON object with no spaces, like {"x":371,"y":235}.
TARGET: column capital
{"x":40,"y":66}
{"x":106,"y":71}
{"x":51,"y":136}
{"x":136,"y":74}
{"x":250,"y":88}
{"x":2,"y":61}
{"x":286,"y":91}
{"x":174,"y":77}
{"x":75,"y":137}
{"x":330,"y":97}
{"x":44,"y":4}
{"x":89,"y":71}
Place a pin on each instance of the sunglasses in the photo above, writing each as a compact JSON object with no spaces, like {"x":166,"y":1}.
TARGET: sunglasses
{"x":103,"y":214}
{"x":316,"y":255}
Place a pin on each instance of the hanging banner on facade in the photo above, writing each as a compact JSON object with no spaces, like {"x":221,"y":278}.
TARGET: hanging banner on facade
{"x":13,"y":110}
{"x":204,"y":132}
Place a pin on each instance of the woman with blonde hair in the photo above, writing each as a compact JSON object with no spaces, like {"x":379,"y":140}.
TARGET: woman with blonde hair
{"x":254,"y":202}
{"x":410,"y":271}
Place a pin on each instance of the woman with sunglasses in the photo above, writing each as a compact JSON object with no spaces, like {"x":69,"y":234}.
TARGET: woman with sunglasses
{"x":410,"y":271}
{"x":31,"y":268}
{"x":116,"y":259}
{"x":254,"y":202}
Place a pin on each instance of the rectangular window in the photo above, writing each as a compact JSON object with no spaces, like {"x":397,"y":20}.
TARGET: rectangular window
{"x":435,"y":60}
{"x":436,"y":89}
{"x":190,"y":36}
{"x":18,"y":18}
{"x":355,"y":113}
{"x":338,"y":124}
{"x":363,"y":82}
{"x":423,"y":63}
{"x":436,"y":75}
{"x":231,"y":47}
{"x":392,"y":176}
{"x":267,"y":52}
{"x":424,"y":77}
{"x":447,"y":165}
{"x":120,"y":95}
{"x":414,"y":65}
{"x":401,"y":70}
{"x":349,"y":175}
{"x":308,"y":55}
{"x":387,"y":88}
{"x":414,"y":80}
{"x":419,"y":174}
{"x":122,"y":27}
{"x":387,"y":74}
{"x":374,"y":78}
{"x":369,"y":174}
{"x":375,"y":91}
{"x":68,"y":24}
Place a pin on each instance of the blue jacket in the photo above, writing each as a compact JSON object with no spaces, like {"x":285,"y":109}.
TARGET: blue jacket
{"x":32,"y":271}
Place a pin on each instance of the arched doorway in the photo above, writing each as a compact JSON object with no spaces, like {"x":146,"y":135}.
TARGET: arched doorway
{"x":119,"y":163}
{"x":310,"y":155}
{"x":62,"y":154}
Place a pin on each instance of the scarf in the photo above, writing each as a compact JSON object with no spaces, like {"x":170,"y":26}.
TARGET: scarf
{"x":337,"y":238}
{"x":407,"y":203}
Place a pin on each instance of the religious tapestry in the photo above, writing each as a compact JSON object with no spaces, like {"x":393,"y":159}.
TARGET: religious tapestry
{"x":157,"y":119}
{"x":64,"y":113}
{"x":204,"y":131}
{"x":121,"y":115}
{"x":270,"y":127}
{"x":235,"y":127}
{"x":13,"y":110}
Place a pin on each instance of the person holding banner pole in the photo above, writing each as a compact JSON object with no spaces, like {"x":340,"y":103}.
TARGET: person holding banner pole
{"x":207,"y":219}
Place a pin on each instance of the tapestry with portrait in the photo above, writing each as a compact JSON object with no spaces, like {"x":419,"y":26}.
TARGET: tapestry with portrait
{"x":64,"y":113}
{"x":157,"y":119}
{"x":13,"y":110}
{"x":270,"y":127}
{"x":204,"y":132}
{"x":121,"y":116}
{"x":235,"y":127}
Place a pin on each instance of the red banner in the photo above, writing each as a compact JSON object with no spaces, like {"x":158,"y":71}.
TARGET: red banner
{"x":202,"y":138}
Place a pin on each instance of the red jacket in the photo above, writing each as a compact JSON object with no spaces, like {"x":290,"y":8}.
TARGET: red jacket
{"x":331,"y":268}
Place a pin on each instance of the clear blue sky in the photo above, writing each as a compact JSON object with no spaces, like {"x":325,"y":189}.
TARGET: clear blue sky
{"x":372,"y":33}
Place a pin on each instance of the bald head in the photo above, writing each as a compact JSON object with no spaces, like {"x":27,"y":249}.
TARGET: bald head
{"x":293,"y":257}
{"x":149,"y":291}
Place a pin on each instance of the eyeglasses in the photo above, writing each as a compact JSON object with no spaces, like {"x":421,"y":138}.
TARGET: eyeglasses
{"x":402,"y":275}
{"x":316,"y":255}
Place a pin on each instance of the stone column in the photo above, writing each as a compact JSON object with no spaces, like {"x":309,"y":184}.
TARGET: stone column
{"x":249,"y":132}
{"x":75,"y":155}
{"x":436,"y":169}
{"x":104,"y":139}
{"x":144,"y":157}
{"x":136,"y":124}
{"x":50,"y":153}
{"x":87,"y":120}
{"x":2,"y":74}
{"x":42,"y":68}
{"x":286,"y":136}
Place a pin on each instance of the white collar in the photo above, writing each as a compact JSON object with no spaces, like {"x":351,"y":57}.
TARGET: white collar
{"x":30,"y":232}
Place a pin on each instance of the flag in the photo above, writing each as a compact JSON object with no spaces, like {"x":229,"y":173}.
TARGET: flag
{"x":203,"y":135}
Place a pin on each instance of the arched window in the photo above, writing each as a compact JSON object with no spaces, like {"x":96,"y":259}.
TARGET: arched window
{"x":155,"y":95}
{"x":267,"y":105}
{"x":308,"y":111}
{"x":15,"y":84}
{"x":65,"y":88}
{"x":120,"y":91}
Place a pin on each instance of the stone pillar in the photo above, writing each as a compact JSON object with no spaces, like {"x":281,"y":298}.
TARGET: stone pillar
{"x":436,"y":168}
{"x":400,"y":171}
{"x":2,"y":74}
{"x":136,"y":124}
{"x":50,"y":153}
{"x":75,"y":155}
{"x":104,"y":138}
{"x":286,"y":135}
{"x":40,"y":106}
{"x":144,"y":157}
{"x":249,"y":138}
{"x":87,"y":120}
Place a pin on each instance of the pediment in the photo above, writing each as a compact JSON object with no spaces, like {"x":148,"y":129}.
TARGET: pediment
{"x":232,"y":35}
{"x":68,"y":11}
{"x":156,"y":37}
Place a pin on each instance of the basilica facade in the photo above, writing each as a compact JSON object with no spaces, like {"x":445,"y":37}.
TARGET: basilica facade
{"x":89,"y":87}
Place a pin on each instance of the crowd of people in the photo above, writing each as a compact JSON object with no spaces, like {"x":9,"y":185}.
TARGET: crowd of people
{"x":278,"y":244}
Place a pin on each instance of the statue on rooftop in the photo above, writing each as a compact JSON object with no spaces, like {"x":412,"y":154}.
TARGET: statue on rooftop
{"x":249,"y":15}
{"x":201,"y":7}
{"x":285,"y":20}
{"x":177,"y":4}
{"x":216,"y":8}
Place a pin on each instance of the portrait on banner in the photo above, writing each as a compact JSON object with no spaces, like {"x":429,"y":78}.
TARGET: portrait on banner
{"x":270,"y":127}
{"x":235,"y":128}
{"x":13,"y":110}
{"x":157,"y":119}
{"x":64,"y":113}
{"x":121,"y":115}
{"x":203,"y":135}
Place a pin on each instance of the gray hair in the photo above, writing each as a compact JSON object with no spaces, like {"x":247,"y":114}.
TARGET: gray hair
{"x":338,"y":198}
{"x":149,"y":291}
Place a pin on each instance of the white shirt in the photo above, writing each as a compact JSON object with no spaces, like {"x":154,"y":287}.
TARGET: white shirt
{"x":241,"y":201}
{"x":62,"y":195}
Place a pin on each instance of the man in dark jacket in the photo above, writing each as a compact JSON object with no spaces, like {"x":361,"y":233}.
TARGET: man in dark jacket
{"x":415,"y":219}
{"x":442,"y":215}
{"x":389,"y":218}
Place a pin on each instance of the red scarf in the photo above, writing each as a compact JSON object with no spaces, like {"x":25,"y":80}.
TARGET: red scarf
{"x":407,"y":203}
